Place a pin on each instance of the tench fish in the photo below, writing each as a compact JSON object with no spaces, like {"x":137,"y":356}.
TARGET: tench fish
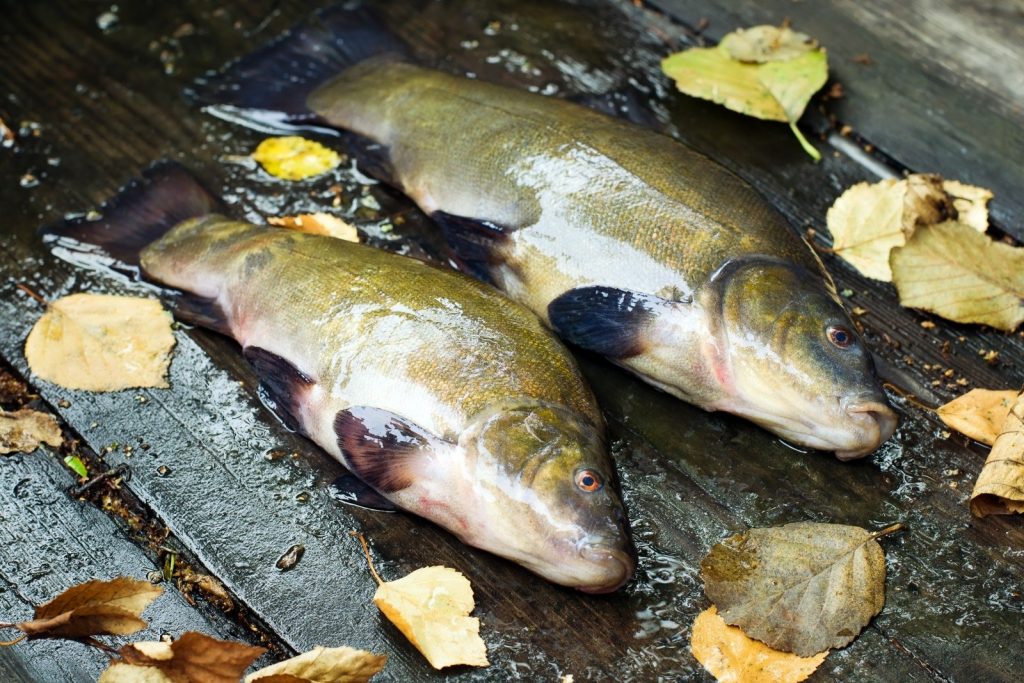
{"x":436,"y":391}
{"x":625,"y":241}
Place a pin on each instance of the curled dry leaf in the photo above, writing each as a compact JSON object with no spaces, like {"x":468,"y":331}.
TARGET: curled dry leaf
{"x":92,"y":609}
{"x":431,"y":608}
{"x":803,"y":587}
{"x":25,"y":429}
{"x":731,"y":657}
{"x":765,"y":72}
{"x":99,"y":342}
{"x":324,"y":665}
{"x":192,"y":658}
{"x":954,"y":271}
{"x":979,"y":414}
{"x":970,"y":202}
{"x":1000,"y":486}
{"x":318,"y":224}
{"x":295,"y":158}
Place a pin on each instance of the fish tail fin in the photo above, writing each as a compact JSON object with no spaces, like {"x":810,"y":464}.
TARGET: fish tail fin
{"x":267,"y":89}
{"x":141,"y":213}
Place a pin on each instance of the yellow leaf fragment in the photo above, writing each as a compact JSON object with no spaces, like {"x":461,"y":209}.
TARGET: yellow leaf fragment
{"x":325,"y":665}
{"x":93,"y":608}
{"x":99,"y":342}
{"x":954,"y":271}
{"x":25,"y":429}
{"x":119,"y":672}
{"x":431,"y":608}
{"x":971,"y":203}
{"x":711,"y":74}
{"x":767,"y":43}
{"x":1000,"y":486}
{"x":295,"y":158}
{"x":194,"y":657}
{"x":731,"y":657}
{"x":979,"y":414}
{"x":317,"y":224}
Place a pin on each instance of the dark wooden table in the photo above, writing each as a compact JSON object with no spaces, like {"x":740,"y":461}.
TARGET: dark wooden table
{"x":218,"y":483}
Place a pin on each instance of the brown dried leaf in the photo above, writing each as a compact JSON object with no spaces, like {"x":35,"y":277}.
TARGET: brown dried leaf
{"x":803,"y":587}
{"x":92,"y":609}
{"x":979,"y":414}
{"x":99,"y":342}
{"x":1000,"y":486}
{"x":317,"y":224}
{"x":430,"y":607}
{"x":323,"y":665}
{"x":925,"y":202}
{"x":192,"y":658}
{"x":25,"y":429}
{"x":729,"y":655}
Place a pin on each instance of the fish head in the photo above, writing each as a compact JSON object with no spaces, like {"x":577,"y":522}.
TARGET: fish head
{"x":547,"y":497}
{"x":788,"y":357}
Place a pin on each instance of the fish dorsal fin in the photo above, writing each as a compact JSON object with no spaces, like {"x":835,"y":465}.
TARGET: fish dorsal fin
{"x":352,"y":490}
{"x":608,"y":321}
{"x":381,"y":447}
{"x":282,"y":385}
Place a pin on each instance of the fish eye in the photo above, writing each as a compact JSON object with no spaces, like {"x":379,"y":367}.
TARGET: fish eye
{"x":588,"y":480}
{"x":840,"y":336}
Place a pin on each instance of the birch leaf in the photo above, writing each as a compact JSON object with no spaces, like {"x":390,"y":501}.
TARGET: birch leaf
{"x":324,"y":665}
{"x":979,"y":414}
{"x":802,"y":588}
{"x":731,"y":657}
{"x":866,"y":222}
{"x":92,"y":609}
{"x":971,"y":203}
{"x":1000,"y":486}
{"x":317,"y":224}
{"x":25,"y":429}
{"x":192,"y":658}
{"x":99,"y":342}
{"x":295,"y":158}
{"x":954,"y":271}
{"x":765,"y":43}
{"x":431,"y":608}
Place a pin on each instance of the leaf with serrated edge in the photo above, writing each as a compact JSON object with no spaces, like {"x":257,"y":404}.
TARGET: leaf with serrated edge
{"x":866,"y":223}
{"x":766,"y":43}
{"x":793,"y":82}
{"x":803,"y":587}
{"x":730,"y":656}
{"x":1000,"y":486}
{"x":22,"y":431}
{"x":979,"y":413}
{"x":954,"y":271}
{"x":318,"y":224}
{"x":325,"y":665}
{"x":711,"y":74}
{"x":192,"y":657}
{"x":971,"y":203}
{"x":99,"y":342}
{"x":93,"y":608}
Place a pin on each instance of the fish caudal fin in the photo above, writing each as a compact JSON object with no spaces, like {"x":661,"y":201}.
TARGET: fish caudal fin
{"x":137,"y":216}
{"x":267,"y":89}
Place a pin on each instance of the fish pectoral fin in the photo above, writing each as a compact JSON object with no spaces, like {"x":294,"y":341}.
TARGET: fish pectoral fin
{"x":282,"y":385}
{"x":352,"y":490}
{"x":473,"y":242}
{"x":380,"y":447}
{"x":608,"y":321}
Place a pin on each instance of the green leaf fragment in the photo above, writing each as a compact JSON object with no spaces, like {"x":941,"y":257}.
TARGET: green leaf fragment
{"x":76,"y":464}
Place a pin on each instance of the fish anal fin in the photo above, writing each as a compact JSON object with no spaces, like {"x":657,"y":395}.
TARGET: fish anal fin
{"x":282,"y":385}
{"x":474,"y":242}
{"x":608,"y":321}
{"x":381,"y":447}
{"x":352,"y":490}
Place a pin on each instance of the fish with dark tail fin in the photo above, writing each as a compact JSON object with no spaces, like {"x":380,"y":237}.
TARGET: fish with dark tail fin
{"x":624,"y":241}
{"x":437,"y":392}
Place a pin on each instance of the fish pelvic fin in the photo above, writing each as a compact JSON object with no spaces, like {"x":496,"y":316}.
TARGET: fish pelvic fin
{"x":141,"y":213}
{"x":473,"y":242}
{"x":608,"y":321}
{"x":380,"y":447}
{"x":267,"y":89}
{"x":282,"y":385}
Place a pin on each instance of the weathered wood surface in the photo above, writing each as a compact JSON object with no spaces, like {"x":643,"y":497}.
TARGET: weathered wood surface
{"x":237,"y":498}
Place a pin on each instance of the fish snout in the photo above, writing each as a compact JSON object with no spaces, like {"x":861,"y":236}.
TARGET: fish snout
{"x":613,"y":567}
{"x":875,"y":422}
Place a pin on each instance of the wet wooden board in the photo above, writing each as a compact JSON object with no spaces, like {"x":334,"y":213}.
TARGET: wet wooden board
{"x":237,"y":498}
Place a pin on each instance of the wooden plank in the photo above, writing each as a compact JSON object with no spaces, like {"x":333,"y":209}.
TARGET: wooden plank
{"x":943,"y":92}
{"x":689,"y":478}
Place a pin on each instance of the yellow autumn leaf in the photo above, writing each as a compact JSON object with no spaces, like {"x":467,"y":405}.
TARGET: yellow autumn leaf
{"x":979,"y":413}
{"x":317,"y":224}
{"x":731,"y":657}
{"x":1000,"y":486}
{"x":971,"y":203}
{"x":99,"y":342}
{"x":295,"y":158}
{"x":774,"y":77}
{"x":325,"y":665}
{"x":431,"y":608}
{"x":22,"y":431}
{"x":954,"y":271}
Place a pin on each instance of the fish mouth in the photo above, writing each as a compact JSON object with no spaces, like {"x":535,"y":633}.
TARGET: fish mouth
{"x":876,"y":422}
{"x":616,"y":565}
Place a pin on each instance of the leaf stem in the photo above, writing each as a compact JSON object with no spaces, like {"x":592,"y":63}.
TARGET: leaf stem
{"x":8,"y":643}
{"x":891,"y":529}
{"x":28,"y":290}
{"x":808,"y":147}
{"x":369,"y":560}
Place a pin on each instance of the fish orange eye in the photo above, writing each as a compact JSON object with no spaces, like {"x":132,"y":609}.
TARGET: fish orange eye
{"x":840,"y":336}
{"x":588,"y":480}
